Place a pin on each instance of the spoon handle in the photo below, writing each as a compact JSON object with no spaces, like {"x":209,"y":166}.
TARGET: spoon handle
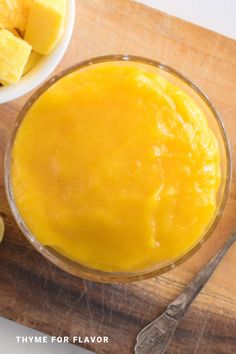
{"x":156,"y":336}
{"x":179,"y":306}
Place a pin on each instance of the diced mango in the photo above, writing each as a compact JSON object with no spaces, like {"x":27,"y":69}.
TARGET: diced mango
{"x":48,"y":16}
{"x":6,"y":13}
{"x":15,"y":33}
{"x":34,"y":58}
{"x":14,"y":54}
{"x":22,"y":13}
{"x":14,"y":13}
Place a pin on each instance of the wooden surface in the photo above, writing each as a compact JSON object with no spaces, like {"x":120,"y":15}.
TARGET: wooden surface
{"x":37,"y":294}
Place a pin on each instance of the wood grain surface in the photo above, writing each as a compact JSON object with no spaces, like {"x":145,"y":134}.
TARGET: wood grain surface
{"x":37,"y":294}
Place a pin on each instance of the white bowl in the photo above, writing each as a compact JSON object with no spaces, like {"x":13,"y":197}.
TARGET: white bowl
{"x":46,"y":65}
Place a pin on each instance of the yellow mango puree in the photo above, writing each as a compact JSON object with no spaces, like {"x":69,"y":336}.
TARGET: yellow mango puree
{"x":116,"y":168}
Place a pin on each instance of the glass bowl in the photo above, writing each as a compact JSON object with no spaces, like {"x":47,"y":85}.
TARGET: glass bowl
{"x":217,"y":127}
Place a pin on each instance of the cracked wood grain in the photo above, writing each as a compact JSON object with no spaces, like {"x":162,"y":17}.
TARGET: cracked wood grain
{"x":201,"y":333}
{"x":37,"y":294}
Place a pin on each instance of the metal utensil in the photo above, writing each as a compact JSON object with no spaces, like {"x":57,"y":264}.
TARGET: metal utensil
{"x":156,"y":336}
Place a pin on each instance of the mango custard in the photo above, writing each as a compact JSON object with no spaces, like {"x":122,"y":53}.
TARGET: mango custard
{"x":116,"y":168}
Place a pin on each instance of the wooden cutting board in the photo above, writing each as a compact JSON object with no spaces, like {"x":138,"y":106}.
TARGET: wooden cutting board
{"x":37,"y":294}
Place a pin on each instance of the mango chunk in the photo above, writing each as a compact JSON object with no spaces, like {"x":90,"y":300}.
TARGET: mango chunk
{"x":14,"y":54}
{"x":34,"y":58}
{"x":15,"y":33}
{"x":45,"y":24}
{"x":14,"y":13}
{"x":7,"y":8}
{"x":22,"y":13}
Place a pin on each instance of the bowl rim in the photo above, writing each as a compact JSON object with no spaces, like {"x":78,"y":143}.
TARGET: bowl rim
{"x":47,"y":64}
{"x":75,"y":268}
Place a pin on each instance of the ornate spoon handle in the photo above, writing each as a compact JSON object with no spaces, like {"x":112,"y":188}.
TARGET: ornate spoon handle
{"x":182,"y":302}
{"x":156,"y":336}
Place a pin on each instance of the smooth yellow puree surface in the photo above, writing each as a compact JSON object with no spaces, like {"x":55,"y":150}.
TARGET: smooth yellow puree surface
{"x":116,"y":167}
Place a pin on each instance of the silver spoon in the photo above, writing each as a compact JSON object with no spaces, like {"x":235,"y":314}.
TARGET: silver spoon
{"x":156,"y":336}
